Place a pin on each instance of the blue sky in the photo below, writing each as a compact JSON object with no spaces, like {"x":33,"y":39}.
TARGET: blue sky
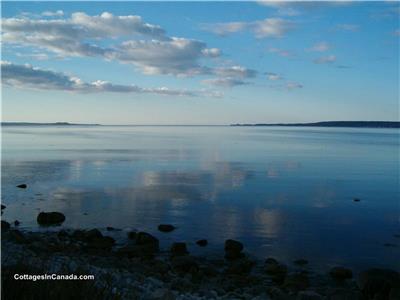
{"x":199,"y":62}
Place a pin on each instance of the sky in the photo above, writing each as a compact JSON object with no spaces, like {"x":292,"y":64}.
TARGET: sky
{"x":205,"y":63}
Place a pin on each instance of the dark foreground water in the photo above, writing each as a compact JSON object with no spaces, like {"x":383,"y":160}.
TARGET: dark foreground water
{"x":283,"y":192}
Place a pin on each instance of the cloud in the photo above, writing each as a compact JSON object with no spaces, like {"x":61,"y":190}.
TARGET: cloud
{"x":348,"y":27}
{"x":293,"y":85}
{"x":267,"y":28}
{"x":58,"y":13}
{"x":273,"y":76}
{"x":27,"y":76}
{"x":320,"y":47}
{"x":133,"y":41}
{"x":396,"y":32}
{"x":325,"y":59}
{"x":225,"y":82}
{"x":281,"y":52}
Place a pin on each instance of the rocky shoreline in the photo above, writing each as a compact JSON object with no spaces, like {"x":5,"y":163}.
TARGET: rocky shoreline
{"x":139,"y":269}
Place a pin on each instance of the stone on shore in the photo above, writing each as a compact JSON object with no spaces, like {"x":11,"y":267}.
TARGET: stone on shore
{"x":179,"y":249}
{"x":233,"y":250}
{"x":202,"y":243}
{"x":16,"y":223}
{"x":184,"y":264}
{"x":296,"y":282}
{"x":144,"y":238}
{"x":309,"y":295}
{"x":379,"y":283}
{"x":50,"y":218}
{"x":166,"y":227}
{"x":301,"y":262}
{"x":132,"y":235}
{"x":5,"y":225}
{"x":22,"y":186}
{"x":340,"y":273}
{"x":241,"y":266}
{"x":275,"y":269}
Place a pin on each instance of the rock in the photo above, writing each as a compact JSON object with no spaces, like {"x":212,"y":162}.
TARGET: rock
{"x":184,"y":264}
{"x":144,"y":238}
{"x":92,"y":234}
{"x":50,"y":218}
{"x":345,"y":294}
{"x":240,"y":267}
{"x":146,"y":250}
{"x":356,"y":200}
{"x":340,"y":273}
{"x":62,"y":234}
{"x":202,"y":243}
{"x":308,"y":295}
{"x":17,"y":236}
{"x":178,"y":249}
{"x":5,"y":225}
{"x":233,"y":250}
{"x":389,"y":245}
{"x":16,"y":223}
{"x":22,"y":186}
{"x":166,"y":227}
{"x":275,"y":269}
{"x":394,"y":293}
{"x":109,"y":228}
{"x":3,"y":206}
{"x":132,"y":235}
{"x":101,"y":243}
{"x":78,"y":234}
{"x":278,"y":294}
{"x":378,"y":283}
{"x":301,"y":262}
{"x":296,"y":281}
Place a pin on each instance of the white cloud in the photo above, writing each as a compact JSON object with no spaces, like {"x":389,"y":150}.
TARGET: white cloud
{"x":320,"y":47}
{"x":235,"y":71}
{"x":58,"y":13}
{"x":27,"y":76}
{"x":144,"y":45}
{"x":273,"y":76}
{"x":348,"y":27}
{"x":293,"y":85}
{"x":281,"y":52}
{"x":225,"y":82}
{"x":325,"y":59}
{"x":267,"y":28}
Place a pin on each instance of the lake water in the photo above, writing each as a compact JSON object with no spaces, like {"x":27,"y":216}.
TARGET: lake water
{"x":284,"y":192}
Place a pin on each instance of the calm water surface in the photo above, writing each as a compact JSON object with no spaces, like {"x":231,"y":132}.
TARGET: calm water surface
{"x":284,"y":192}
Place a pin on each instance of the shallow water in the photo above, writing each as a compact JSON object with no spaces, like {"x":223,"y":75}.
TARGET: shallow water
{"x":283,"y":192}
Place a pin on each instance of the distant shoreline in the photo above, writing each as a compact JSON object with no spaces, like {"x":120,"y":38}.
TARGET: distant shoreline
{"x":348,"y":124}
{"x":355,"y":124}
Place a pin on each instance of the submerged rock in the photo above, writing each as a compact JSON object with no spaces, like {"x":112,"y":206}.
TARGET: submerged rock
{"x":22,"y":186}
{"x":379,"y":283}
{"x":166,"y":227}
{"x":16,"y":222}
{"x":3,"y":206}
{"x":179,"y":249}
{"x":50,"y":218}
{"x":356,"y":200}
{"x":340,"y":273}
{"x":202,"y":243}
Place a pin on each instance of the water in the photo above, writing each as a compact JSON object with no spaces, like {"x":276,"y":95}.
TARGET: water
{"x":284,"y":192}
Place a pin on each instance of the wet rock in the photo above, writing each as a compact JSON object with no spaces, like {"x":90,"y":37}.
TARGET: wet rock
{"x":50,"y":218}
{"x":5,"y":225}
{"x":308,"y":295}
{"x":18,"y":236}
{"x":240,"y":267}
{"x":356,"y":200}
{"x":394,"y":293}
{"x":344,"y":294}
{"x":275,"y":269}
{"x":184,"y":264}
{"x":109,"y":228}
{"x":16,"y":223}
{"x":202,"y":243}
{"x":296,"y":282}
{"x":179,"y":249}
{"x":301,"y":262}
{"x":166,"y":227}
{"x":340,"y":273}
{"x":92,"y":234}
{"x":233,"y":250}
{"x":101,"y":243}
{"x":22,"y":186}
{"x":132,"y":235}
{"x":377,"y":283}
{"x":144,"y":238}
{"x":3,"y":206}
{"x":78,"y":234}
{"x":278,"y":294}
{"x":62,"y":234}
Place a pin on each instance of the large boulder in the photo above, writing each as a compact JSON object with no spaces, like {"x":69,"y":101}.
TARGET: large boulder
{"x":202,"y":243}
{"x":144,"y":238}
{"x":379,"y":283}
{"x":50,"y":218}
{"x":233,"y":249}
{"x":22,"y":186}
